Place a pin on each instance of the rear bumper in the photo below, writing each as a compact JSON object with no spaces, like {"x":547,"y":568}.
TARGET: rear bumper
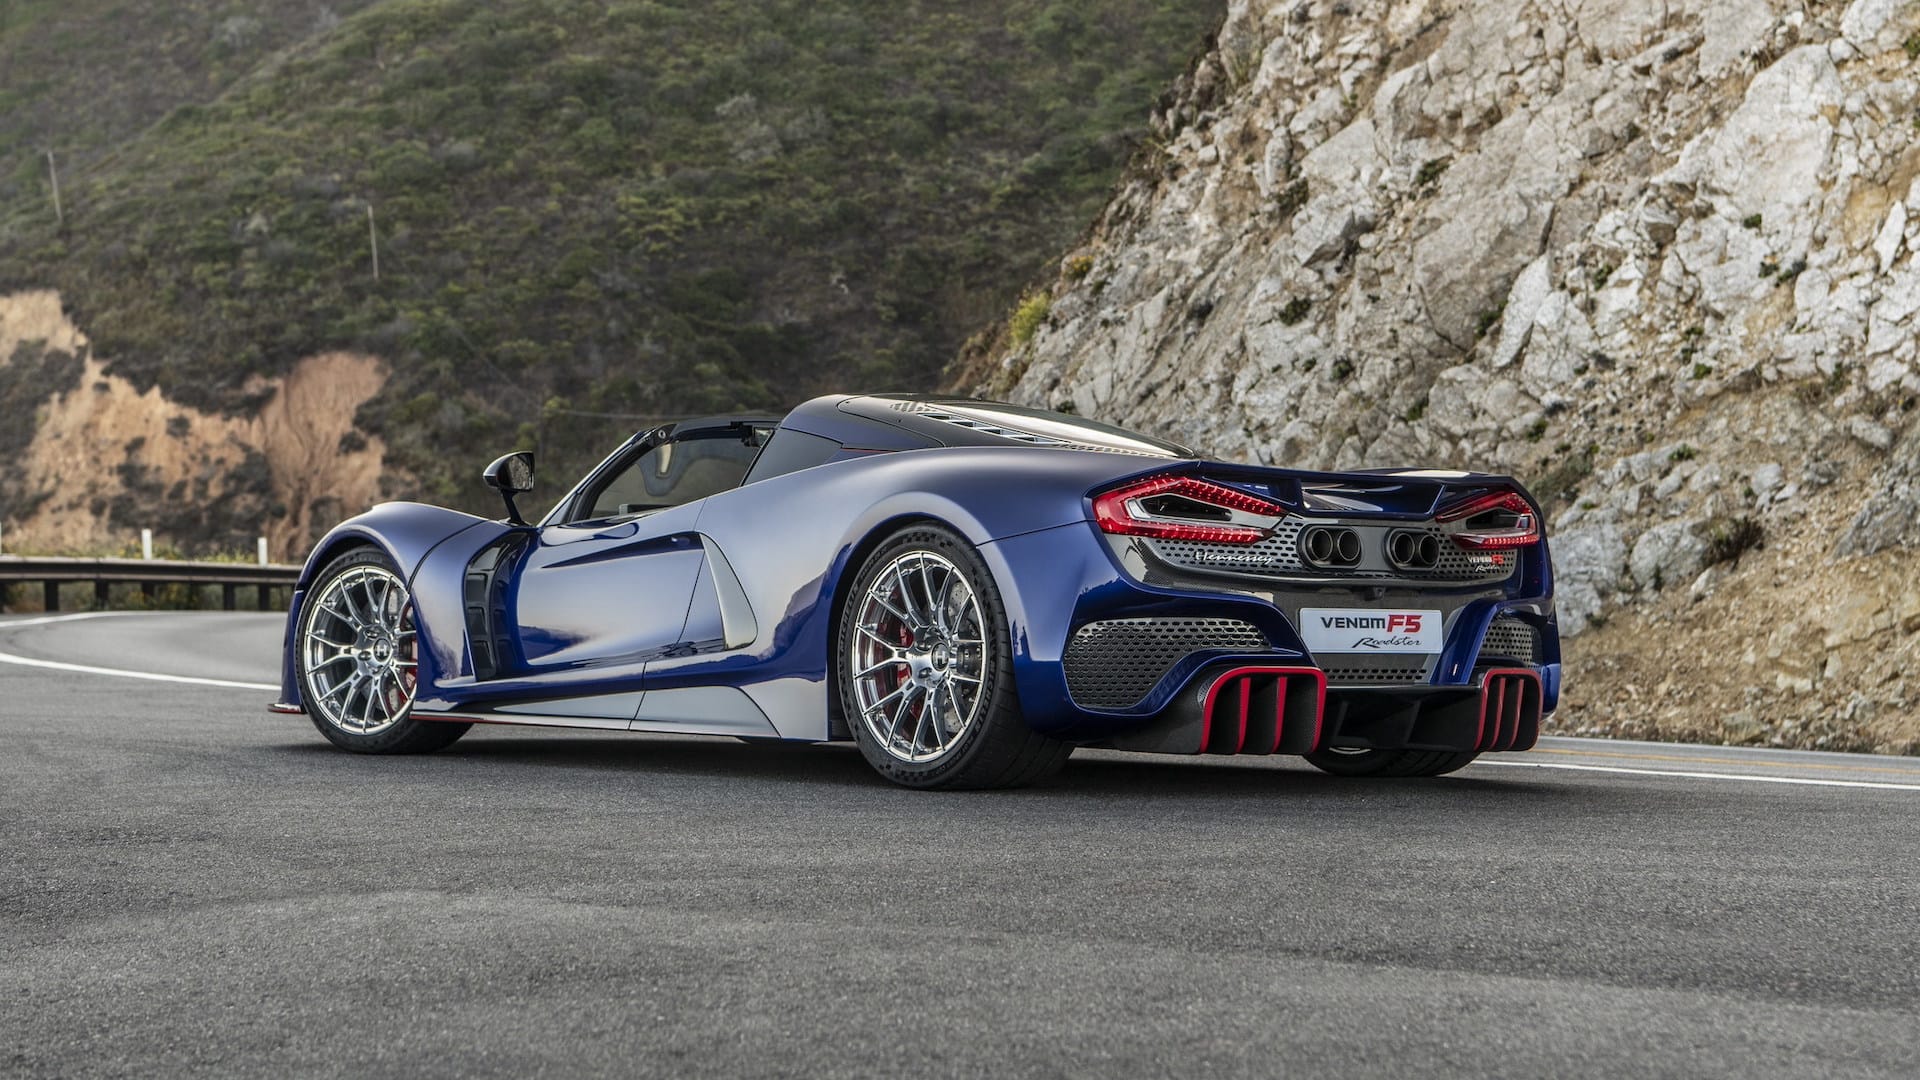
{"x":1242,"y":708}
{"x":1059,"y":584}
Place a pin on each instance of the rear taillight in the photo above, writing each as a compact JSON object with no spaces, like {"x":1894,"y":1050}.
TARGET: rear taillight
{"x":1186,"y":508}
{"x":1499,"y":519}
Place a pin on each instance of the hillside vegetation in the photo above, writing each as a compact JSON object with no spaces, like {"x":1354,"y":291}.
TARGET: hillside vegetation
{"x":618,"y":210}
{"x":81,"y":79}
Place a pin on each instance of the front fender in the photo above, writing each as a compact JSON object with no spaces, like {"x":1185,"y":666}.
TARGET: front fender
{"x":406,"y":531}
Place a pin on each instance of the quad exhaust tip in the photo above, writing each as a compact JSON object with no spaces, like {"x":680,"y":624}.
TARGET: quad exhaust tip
{"x":1410,"y":550}
{"x":1325,"y":546}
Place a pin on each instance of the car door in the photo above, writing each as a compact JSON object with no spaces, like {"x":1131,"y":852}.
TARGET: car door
{"x":606,"y":582}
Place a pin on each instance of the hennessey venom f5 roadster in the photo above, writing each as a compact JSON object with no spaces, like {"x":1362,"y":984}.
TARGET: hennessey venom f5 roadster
{"x":967,"y":590}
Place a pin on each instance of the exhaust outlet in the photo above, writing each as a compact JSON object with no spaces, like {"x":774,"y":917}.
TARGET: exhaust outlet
{"x":1410,"y":550}
{"x":1319,"y":545}
{"x":1401,"y":547}
{"x":1324,"y":546}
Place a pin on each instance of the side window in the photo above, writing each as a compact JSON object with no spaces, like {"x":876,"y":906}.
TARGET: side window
{"x":790,"y":451}
{"x":671,"y":474}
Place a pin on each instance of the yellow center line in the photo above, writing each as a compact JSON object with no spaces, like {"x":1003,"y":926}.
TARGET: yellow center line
{"x":1739,"y":763}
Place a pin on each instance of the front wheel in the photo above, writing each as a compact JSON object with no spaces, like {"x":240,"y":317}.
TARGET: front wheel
{"x":925,"y":669}
{"x":357,"y":655}
{"x":1341,"y":762}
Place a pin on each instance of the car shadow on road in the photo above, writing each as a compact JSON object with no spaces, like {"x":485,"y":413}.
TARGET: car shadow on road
{"x":1098,"y":774}
{"x":1261,"y":777}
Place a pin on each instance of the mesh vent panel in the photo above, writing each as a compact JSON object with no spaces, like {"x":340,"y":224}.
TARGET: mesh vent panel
{"x":1511,"y":637}
{"x":1377,"y":671}
{"x":1279,"y":556}
{"x":1113,"y":664}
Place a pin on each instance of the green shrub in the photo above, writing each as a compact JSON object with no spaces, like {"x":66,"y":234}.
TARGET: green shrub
{"x":1489,"y":319}
{"x":1562,"y":479}
{"x":1292,"y":198}
{"x":1028,"y":315}
{"x":1730,"y":537}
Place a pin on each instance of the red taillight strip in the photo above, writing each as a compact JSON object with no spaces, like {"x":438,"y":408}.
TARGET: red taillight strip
{"x":1525,"y":531}
{"x":1480,"y":504}
{"x":1512,"y":538}
{"x":1114,"y":511}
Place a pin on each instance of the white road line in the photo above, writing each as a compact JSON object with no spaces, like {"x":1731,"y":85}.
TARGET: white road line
{"x":1750,"y":777}
{"x":9,"y":624}
{"x":88,"y":669}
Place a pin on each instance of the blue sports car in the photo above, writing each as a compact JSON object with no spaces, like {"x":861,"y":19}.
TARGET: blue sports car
{"x":967,"y":590}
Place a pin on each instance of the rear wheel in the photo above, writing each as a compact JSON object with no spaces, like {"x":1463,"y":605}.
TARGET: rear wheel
{"x":357,"y":655}
{"x":925,"y":669}
{"x":1341,"y":762}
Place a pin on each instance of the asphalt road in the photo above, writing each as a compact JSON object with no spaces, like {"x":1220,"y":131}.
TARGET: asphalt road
{"x":191,"y":885}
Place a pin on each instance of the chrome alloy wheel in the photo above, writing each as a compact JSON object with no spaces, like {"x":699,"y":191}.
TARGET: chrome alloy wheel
{"x":917,"y":657}
{"x":359,"y":651}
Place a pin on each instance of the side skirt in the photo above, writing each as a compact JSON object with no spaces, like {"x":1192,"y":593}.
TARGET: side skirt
{"x":694,"y":710}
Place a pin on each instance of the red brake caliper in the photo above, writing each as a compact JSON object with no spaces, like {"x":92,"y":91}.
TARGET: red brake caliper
{"x":411,"y":676}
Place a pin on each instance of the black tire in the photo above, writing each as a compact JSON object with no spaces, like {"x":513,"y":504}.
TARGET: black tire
{"x":995,"y":748}
{"x":1390,"y":762}
{"x":399,"y":732}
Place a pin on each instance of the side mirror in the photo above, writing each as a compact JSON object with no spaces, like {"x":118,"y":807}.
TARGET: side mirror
{"x":511,"y":475}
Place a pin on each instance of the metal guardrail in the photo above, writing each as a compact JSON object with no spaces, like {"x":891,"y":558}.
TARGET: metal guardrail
{"x":52,"y":572}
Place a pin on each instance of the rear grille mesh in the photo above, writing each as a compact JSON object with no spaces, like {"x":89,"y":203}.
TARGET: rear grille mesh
{"x":1279,"y":556}
{"x":1114,"y":664}
{"x":1377,"y":671}
{"x":1511,"y":638}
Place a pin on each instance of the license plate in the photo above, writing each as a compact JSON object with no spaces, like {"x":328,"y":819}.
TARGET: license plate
{"x":1370,"y":630}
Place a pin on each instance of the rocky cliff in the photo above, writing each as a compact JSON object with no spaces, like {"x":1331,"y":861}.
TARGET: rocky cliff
{"x":1653,"y":256}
